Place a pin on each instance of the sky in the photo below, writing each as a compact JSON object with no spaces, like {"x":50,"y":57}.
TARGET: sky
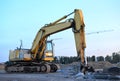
{"x":21,"y":20}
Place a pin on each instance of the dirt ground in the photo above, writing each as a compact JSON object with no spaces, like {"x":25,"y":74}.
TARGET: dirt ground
{"x":42,"y":77}
{"x":66,"y":73}
{"x":33,"y":77}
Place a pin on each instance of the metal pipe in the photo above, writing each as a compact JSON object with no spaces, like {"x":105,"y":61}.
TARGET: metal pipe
{"x":61,"y":18}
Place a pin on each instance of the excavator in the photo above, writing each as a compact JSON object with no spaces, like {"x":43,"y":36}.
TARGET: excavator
{"x":40,"y":57}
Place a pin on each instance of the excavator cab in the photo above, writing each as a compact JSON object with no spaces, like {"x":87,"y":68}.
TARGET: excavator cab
{"x":49,"y":54}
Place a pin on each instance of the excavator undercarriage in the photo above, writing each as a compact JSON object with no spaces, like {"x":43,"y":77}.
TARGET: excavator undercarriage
{"x":44,"y":67}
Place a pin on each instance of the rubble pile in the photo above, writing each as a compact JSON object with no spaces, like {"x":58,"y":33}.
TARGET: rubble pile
{"x":118,"y":64}
{"x":2,"y":66}
{"x":100,"y":65}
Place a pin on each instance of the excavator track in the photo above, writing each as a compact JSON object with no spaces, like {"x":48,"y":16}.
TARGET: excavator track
{"x":30,"y":68}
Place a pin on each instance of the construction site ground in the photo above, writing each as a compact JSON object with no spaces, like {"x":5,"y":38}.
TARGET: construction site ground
{"x":68,"y":72}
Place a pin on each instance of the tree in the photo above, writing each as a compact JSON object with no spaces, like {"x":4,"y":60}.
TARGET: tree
{"x":66,"y":60}
{"x":108,"y":58}
{"x":115,"y":57}
{"x":100,"y":58}
{"x":88,"y":59}
{"x":93,"y":58}
{"x":62,"y":60}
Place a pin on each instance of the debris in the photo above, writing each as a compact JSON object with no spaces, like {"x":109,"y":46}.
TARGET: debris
{"x":79,"y":76}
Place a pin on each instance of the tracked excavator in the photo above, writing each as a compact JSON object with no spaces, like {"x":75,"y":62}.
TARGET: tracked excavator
{"x":39,"y":58}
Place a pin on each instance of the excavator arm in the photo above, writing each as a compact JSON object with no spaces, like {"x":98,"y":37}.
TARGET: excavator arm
{"x":77,"y":25}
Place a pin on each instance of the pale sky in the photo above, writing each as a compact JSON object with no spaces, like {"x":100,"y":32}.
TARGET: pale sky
{"x":21,"y":19}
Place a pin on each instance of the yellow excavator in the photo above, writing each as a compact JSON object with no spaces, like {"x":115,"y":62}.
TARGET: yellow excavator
{"x":39,"y":58}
